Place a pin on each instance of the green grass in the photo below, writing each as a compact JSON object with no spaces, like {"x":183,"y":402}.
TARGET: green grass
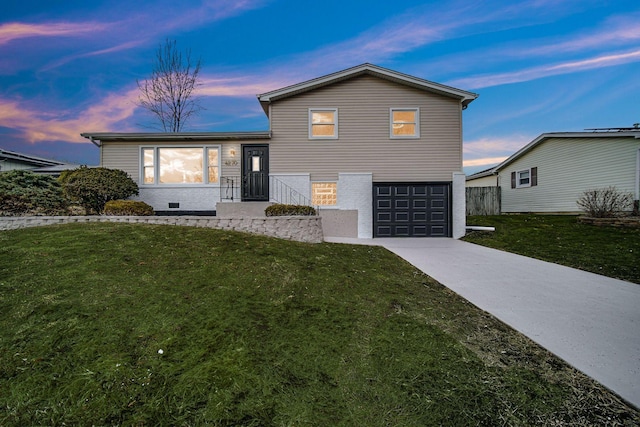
{"x":258,"y":332}
{"x":610,"y":251}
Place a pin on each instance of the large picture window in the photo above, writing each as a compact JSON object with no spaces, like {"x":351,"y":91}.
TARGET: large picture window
{"x":323,"y":123}
{"x":405,"y":123}
{"x":180,"y":165}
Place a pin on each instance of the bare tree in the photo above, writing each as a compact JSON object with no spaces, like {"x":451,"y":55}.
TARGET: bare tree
{"x":169,"y":92}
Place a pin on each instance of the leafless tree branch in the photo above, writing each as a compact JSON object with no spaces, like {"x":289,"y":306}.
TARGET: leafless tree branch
{"x":169,"y":92}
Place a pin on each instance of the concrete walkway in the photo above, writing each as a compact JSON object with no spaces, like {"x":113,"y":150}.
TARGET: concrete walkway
{"x":590,"y":321}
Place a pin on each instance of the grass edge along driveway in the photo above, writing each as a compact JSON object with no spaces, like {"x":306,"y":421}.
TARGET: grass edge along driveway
{"x":561,"y":239}
{"x":122,"y":324}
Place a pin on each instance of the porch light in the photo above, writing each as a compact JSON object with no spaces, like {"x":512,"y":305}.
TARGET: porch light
{"x":232,"y":152}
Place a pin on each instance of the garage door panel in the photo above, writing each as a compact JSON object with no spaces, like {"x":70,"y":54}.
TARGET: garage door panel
{"x":402,"y":203}
{"x":411,"y":209}
{"x":419,"y":204}
{"x":383,"y":217}
{"x":419,"y":190}
{"x":401,"y":216}
{"x":419,"y":217}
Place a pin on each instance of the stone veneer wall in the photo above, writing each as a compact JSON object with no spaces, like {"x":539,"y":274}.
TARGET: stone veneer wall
{"x":299,"y":228}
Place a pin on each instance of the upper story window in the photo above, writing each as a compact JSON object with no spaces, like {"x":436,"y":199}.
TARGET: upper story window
{"x":180,"y":165}
{"x":405,"y":123}
{"x":323,"y":123}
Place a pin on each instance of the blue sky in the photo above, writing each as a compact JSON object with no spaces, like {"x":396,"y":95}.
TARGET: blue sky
{"x":69,"y":66}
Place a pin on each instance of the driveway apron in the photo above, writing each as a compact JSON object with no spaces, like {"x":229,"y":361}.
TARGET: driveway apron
{"x":590,"y":321}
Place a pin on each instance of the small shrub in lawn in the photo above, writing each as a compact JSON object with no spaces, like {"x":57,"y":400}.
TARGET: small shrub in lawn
{"x":127,"y":207}
{"x":605,"y":202}
{"x":26,"y":193}
{"x":93,"y":187}
{"x":289,"y":210}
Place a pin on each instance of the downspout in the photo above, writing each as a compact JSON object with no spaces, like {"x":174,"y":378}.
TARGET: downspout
{"x":638,"y":175}
{"x":636,"y":202}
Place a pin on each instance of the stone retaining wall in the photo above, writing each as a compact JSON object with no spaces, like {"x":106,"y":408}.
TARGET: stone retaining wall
{"x":299,"y":228}
{"x":631,"y":222}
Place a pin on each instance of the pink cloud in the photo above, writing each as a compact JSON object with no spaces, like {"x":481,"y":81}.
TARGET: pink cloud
{"x":107,"y":114}
{"x":17,"y":30}
{"x":486,"y":161}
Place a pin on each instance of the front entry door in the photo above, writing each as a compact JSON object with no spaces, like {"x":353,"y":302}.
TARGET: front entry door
{"x":255,"y":172}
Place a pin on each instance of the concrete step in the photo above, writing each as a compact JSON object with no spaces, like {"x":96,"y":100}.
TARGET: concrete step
{"x":241,"y":209}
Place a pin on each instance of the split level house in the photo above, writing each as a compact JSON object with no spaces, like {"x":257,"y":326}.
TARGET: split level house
{"x":377,"y":151}
{"x":551,"y":173}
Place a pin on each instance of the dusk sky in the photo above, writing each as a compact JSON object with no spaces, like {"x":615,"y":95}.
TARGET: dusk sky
{"x":69,"y":66}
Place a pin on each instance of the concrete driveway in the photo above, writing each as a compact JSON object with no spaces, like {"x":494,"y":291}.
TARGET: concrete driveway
{"x":590,"y":321}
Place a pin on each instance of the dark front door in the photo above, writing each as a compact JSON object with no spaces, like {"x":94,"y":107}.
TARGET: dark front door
{"x":255,"y":172}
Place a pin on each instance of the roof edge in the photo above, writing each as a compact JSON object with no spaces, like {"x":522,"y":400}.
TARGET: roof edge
{"x":366,"y":68}
{"x":541,"y":138}
{"x":169,"y":136}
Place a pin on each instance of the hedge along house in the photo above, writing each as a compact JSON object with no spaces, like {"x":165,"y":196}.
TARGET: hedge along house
{"x":379,"y":152}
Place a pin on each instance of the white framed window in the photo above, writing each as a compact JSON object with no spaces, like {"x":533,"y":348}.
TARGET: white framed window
{"x":524,"y":178}
{"x":192,"y":165}
{"x":324,"y":193}
{"x":323,"y":123}
{"x":404,"y":123}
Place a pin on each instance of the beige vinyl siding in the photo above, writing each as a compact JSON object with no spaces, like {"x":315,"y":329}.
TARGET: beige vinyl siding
{"x":566,"y":168}
{"x":126,"y":155}
{"x":364,"y":143}
{"x":485,"y":181}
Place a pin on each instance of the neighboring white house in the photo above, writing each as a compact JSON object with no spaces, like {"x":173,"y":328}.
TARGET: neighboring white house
{"x":11,"y":160}
{"x":380,"y":153}
{"x":551,"y":173}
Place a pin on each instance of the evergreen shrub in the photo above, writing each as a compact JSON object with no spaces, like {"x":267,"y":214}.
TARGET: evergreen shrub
{"x":127,"y":207}
{"x":92,"y":188}
{"x":289,"y":210}
{"x":23,"y":192}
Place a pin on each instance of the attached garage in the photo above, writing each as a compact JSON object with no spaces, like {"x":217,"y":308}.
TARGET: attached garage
{"x":412,"y":209}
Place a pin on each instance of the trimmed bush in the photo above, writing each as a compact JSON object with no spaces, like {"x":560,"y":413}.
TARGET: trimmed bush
{"x":23,"y":192}
{"x":605,"y":202}
{"x":93,"y":187}
{"x":127,"y":207}
{"x":289,"y":210}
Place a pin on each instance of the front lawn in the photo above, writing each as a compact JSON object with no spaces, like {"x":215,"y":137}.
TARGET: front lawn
{"x":610,"y":251}
{"x":121,"y":324}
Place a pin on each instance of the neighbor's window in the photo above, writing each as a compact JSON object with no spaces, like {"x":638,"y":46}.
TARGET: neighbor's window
{"x":323,"y":123}
{"x":405,"y":123}
{"x":324,"y":193}
{"x":523,"y":178}
{"x":180,"y":165}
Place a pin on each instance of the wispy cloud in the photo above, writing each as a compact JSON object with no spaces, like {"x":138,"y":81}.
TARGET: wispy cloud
{"x":485,"y":145}
{"x":18,"y":30}
{"x":534,"y":73}
{"x":617,"y":31}
{"x":37,"y":125}
{"x":487,"y":161}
